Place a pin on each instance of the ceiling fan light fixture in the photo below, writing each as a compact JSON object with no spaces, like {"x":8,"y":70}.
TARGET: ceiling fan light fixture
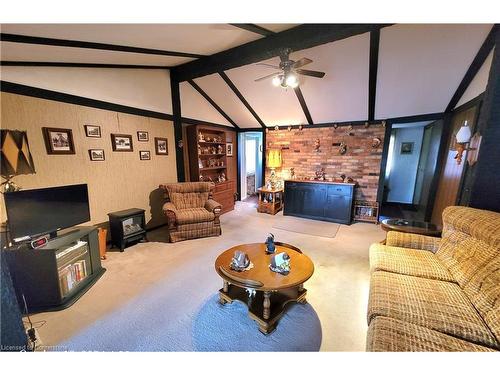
{"x":277,"y":81}
{"x":292,"y":81}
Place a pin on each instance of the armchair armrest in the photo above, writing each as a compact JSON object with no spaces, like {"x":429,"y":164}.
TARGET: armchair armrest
{"x":213,"y":206}
{"x":412,"y":241}
{"x":171,"y":213}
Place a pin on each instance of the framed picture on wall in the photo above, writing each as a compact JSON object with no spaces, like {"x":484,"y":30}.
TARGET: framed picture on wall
{"x":161,"y":146}
{"x":144,"y":155}
{"x":142,"y":136}
{"x":93,"y":131}
{"x":122,"y":142}
{"x":58,"y":141}
{"x":407,"y":147}
{"x":229,"y":149}
{"x":96,"y":154}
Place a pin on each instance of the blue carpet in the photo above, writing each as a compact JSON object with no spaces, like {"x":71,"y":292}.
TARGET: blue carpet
{"x":229,"y":328}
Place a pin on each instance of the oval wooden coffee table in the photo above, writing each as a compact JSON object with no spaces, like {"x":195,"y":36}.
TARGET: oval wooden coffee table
{"x":265,"y":292}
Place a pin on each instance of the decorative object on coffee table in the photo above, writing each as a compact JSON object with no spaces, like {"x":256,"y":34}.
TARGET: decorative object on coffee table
{"x":58,"y":141}
{"x":270,"y":248}
{"x":411,"y":226}
{"x":127,"y":226}
{"x":268,"y":293}
{"x":240,"y":261}
{"x":280,"y":263}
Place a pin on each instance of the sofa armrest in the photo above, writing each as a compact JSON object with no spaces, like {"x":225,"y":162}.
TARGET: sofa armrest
{"x":412,"y":241}
{"x":213,"y":206}
{"x":171,"y":213}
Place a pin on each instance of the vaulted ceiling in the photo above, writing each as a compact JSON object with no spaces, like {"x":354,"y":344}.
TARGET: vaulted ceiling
{"x":419,"y":67}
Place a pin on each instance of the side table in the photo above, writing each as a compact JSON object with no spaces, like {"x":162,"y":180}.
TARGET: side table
{"x":411,"y":226}
{"x":270,"y":200}
{"x":127,"y":226}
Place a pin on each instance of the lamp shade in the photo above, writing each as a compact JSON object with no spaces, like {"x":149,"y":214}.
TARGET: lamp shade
{"x":274,"y":158}
{"x":464,"y":134}
{"x":15,"y":153}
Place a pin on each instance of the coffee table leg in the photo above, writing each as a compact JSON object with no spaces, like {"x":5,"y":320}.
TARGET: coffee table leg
{"x":225,"y":286}
{"x":225,"y":289}
{"x":267,"y":305}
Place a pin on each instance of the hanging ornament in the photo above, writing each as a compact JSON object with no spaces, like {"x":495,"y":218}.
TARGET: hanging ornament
{"x":342,"y":148}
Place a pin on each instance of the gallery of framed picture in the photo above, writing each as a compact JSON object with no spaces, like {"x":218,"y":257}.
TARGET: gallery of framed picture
{"x":93,"y":131}
{"x":96,"y":154}
{"x":58,"y":141}
{"x":145,"y":155}
{"x":142,"y":136}
{"x":161,"y":146}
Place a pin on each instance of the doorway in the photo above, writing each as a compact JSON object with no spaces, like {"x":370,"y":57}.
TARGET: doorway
{"x":410,"y":170}
{"x":250,"y":162}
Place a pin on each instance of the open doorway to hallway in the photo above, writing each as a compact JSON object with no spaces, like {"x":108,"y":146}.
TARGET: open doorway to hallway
{"x":410,"y":170}
{"x":250,"y":161}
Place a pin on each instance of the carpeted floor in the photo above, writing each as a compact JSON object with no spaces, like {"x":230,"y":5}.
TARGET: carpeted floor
{"x":158,"y":296}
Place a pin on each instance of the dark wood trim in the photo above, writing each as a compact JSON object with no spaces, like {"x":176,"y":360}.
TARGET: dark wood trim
{"x":416,"y":118}
{"x":253,"y":28}
{"x":16,"y":88}
{"x":80,"y":65}
{"x":243,"y":130}
{"x":193,"y":121}
{"x":474,"y":67}
{"x":296,"y":38}
{"x":264,"y":150}
{"x":298,"y":93}
{"x":15,"y":38}
{"x":372,"y":83}
{"x":240,"y":96}
{"x":176,"y":111}
{"x":383,"y":163}
{"x":213,"y":103}
{"x":471,"y":103}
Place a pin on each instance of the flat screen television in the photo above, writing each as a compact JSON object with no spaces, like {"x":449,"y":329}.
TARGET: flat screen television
{"x":41,"y":211}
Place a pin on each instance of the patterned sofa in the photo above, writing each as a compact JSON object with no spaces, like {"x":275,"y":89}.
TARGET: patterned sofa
{"x":190,"y":210}
{"x":438,"y":294}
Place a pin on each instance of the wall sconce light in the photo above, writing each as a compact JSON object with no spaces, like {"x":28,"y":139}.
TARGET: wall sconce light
{"x":464,"y":137}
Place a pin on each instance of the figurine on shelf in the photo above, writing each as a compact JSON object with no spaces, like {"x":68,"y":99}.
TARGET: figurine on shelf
{"x":214,"y":150}
{"x":317,"y":145}
{"x":199,"y":150}
{"x":219,"y":149}
{"x":320,"y":174}
{"x":200,"y":163}
{"x":270,"y":248}
{"x":222,"y":177}
{"x":201,"y":137}
{"x":201,"y":177}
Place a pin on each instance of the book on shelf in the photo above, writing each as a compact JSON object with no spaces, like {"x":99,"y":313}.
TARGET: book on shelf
{"x":71,"y":275}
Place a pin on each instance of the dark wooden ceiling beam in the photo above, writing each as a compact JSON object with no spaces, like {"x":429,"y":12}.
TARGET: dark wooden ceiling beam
{"x":79,"y":65}
{"x":474,"y":67}
{"x":297,"y":38}
{"x":253,"y":28}
{"x":240,"y":96}
{"x":303,"y":104}
{"x":372,"y":81}
{"x":15,"y":38}
{"x":213,"y":103}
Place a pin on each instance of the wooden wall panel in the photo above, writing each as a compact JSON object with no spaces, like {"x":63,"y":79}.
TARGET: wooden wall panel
{"x":451,"y":175}
{"x":121,"y":181}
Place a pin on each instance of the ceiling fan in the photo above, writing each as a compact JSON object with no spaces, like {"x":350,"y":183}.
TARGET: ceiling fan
{"x":289,"y":71}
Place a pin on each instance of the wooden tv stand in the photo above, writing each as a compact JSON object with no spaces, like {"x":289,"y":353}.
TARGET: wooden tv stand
{"x":56,"y":275}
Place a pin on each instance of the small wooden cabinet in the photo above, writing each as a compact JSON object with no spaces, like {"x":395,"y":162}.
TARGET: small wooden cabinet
{"x":208,"y":162}
{"x":270,"y":201}
{"x":319,"y":200}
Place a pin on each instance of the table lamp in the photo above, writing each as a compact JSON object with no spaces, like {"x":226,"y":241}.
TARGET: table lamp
{"x":273,"y":162}
{"x":16,"y":158}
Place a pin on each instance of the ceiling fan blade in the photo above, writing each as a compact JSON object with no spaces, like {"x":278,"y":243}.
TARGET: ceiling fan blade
{"x":303,"y":61}
{"x":268,"y":65}
{"x":268,"y":76}
{"x":312,"y":73}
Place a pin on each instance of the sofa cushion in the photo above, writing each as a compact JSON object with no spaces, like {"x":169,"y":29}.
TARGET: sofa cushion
{"x":434,"y":304}
{"x":194,"y":215}
{"x":392,"y":335}
{"x":464,"y":255}
{"x":407,"y":262}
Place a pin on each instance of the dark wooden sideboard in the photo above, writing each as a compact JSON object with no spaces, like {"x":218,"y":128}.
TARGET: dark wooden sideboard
{"x":320,"y":200}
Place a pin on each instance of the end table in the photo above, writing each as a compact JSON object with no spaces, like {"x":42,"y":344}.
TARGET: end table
{"x":270,"y":200}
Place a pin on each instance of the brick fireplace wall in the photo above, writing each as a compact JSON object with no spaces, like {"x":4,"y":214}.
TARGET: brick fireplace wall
{"x":361,"y":162}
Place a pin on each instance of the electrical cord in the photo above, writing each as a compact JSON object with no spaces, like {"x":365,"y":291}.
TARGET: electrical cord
{"x":31,"y":330}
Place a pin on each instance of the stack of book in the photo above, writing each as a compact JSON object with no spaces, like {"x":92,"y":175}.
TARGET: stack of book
{"x":72,"y":275}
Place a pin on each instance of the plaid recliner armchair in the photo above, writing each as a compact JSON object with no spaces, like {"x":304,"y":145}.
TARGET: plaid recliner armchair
{"x":190,"y":210}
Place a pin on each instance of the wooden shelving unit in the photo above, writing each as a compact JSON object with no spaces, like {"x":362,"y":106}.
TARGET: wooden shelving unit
{"x":208,"y":162}
{"x":366,"y":211}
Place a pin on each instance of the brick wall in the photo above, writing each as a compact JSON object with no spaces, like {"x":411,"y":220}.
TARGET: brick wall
{"x":361,"y":161}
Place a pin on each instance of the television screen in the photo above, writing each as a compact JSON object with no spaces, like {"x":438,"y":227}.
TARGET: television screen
{"x":41,"y":211}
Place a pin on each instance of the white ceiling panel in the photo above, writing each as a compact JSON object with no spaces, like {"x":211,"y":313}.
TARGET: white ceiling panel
{"x":274,"y":105}
{"x":277,"y":27}
{"x":225,"y":98}
{"x":205,"y":39}
{"x":195,"y":106}
{"x":420,"y":66}
{"x":41,"y":53}
{"x":342,"y":94}
{"x":479,"y":82}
